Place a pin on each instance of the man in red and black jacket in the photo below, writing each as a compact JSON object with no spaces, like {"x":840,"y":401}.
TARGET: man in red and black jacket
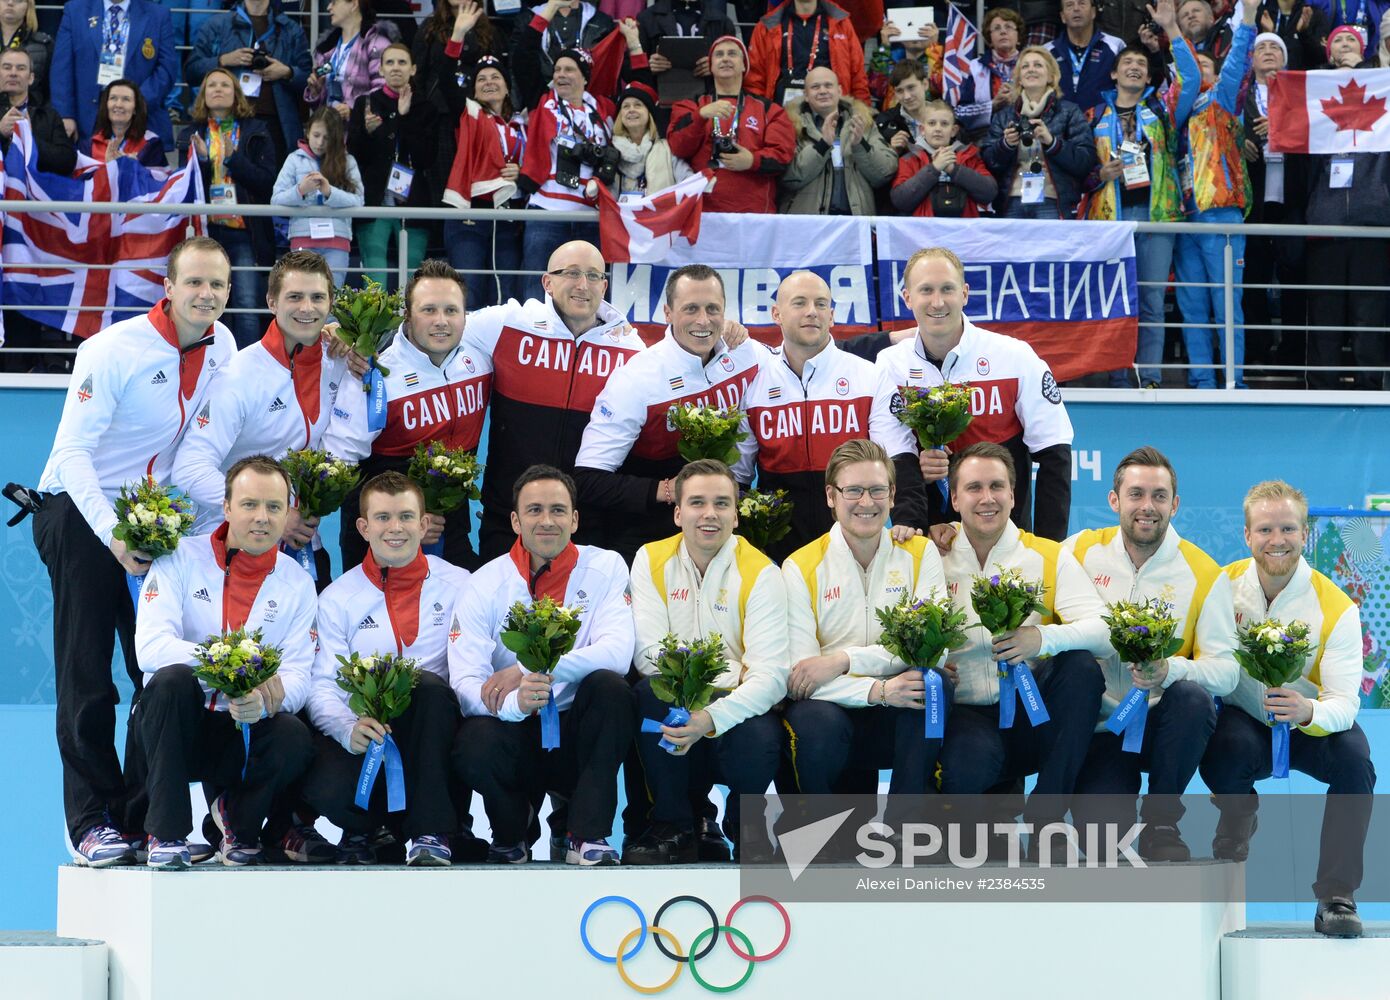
{"x":747,"y":140}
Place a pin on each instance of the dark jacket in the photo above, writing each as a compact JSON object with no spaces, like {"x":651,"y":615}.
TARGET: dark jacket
{"x":409,"y":140}
{"x":1067,"y":161}
{"x":532,"y":74}
{"x":442,"y":80}
{"x":252,"y":169}
{"x":56,"y":153}
{"x":1365,"y":203}
{"x":285,"y":42}
{"x":659,"y":20}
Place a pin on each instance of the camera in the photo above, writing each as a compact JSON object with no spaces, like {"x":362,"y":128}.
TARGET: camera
{"x":603,"y":160}
{"x":260,"y":59}
{"x":1151,"y":26}
{"x":1026,"y":135}
{"x":323,"y":69}
{"x":724,"y":145}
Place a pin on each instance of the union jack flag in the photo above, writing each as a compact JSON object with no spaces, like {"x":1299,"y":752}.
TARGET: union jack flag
{"x":74,"y":241}
{"x":961,"y":42}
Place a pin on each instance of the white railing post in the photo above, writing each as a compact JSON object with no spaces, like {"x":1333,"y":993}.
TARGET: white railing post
{"x":1228,"y":293}
{"x":403,"y":256}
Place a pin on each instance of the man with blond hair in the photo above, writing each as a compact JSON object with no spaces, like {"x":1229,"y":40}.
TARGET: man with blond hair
{"x":1320,"y":706}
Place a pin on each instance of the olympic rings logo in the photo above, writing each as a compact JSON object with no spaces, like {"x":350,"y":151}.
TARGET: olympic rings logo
{"x":708,"y":938}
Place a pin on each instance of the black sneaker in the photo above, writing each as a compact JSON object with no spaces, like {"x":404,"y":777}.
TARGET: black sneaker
{"x":711,"y":845}
{"x":1337,"y":917}
{"x":468,"y":849}
{"x":1232,"y":840}
{"x":1163,"y":843}
{"x":663,"y":844}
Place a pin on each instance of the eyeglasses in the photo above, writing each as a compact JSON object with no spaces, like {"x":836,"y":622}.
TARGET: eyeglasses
{"x":857,"y":492}
{"x":574,"y":274}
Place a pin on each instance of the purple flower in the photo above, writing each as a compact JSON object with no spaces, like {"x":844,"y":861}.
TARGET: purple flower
{"x":1139,"y":629}
{"x":994,"y":581}
{"x":1284,"y":638}
{"x":241,"y":671}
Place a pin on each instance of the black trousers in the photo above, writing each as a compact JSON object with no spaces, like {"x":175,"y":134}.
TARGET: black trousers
{"x":184,"y":742}
{"x":1332,"y":264}
{"x":505,"y":763}
{"x":1238,"y":755}
{"x":828,"y":739}
{"x":1175,"y":736}
{"x":91,"y":606}
{"x":425,"y":735}
{"x":745,"y":759}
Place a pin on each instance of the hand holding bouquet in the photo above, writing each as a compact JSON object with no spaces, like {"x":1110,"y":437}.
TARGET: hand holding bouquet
{"x":150,"y":519}
{"x":365,"y":316}
{"x":937,"y":415}
{"x":1142,"y":632}
{"x":1003,"y":603}
{"x":539,"y":636}
{"x":234,"y":664}
{"x":918,"y":632}
{"x":764,"y":518}
{"x":319,"y":481}
{"x":686,"y":672}
{"x":448,"y":476}
{"x":1274,"y":654}
{"x":707,"y":431}
{"x":379,"y":687}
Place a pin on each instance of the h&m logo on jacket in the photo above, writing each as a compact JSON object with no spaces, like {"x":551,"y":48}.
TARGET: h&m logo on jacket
{"x":680,"y":594}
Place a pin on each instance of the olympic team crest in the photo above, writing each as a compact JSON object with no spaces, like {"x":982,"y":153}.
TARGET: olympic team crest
{"x":1051,"y":391}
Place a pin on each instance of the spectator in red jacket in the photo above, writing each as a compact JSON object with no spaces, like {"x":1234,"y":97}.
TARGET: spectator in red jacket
{"x":942,"y":178}
{"x":797,"y":36}
{"x":746,"y":139}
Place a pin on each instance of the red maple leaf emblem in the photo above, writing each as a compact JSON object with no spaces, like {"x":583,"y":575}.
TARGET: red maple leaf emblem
{"x":1354,"y":113}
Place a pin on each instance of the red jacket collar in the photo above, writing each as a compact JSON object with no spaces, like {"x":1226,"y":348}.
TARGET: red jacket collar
{"x":408,"y":577}
{"x":552,"y":579}
{"x":162,"y":322}
{"x":244,"y":564}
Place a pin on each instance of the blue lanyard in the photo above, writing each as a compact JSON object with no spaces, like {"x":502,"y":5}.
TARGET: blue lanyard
{"x":1079,"y":62}
{"x":1359,"y":19}
{"x":269,"y":31}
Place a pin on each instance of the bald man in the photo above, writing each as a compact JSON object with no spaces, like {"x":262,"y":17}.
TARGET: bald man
{"x":808,"y":398}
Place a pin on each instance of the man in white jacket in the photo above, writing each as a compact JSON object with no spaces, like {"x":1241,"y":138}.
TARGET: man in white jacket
{"x":396,"y":601}
{"x":208,"y":586}
{"x":1320,"y":707}
{"x":498,"y":750}
{"x":703,"y":581}
{"x":135,"y":388}
{"x":1144,"y":558}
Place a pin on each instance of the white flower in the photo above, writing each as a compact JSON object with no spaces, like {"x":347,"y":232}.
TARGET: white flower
{"x":369,"y":663}
{"x":148,"y":517}
{"x":248,"y":647}
{"x":171,"y":521}
{"x":132,"y":519}
{"x":440,"y":461}
{"x":219,"y":650}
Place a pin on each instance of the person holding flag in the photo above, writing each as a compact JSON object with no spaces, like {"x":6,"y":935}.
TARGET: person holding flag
{"x":974,"y":87}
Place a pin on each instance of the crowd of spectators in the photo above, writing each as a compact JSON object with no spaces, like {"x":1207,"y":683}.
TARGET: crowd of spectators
{"x":1073,"y":109}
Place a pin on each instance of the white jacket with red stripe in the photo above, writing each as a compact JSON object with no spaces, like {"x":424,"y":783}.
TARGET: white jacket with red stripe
{"x":133,"y":393}
{"x":556,"y":121}
{"x":189,"y":595}
{"x":372,"y":611}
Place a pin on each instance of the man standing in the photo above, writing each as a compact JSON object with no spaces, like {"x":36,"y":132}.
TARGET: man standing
{"x":135,"y":387}
{"x":1015,"y":400}
{"x":1143,"y":558}
{"x":210,"y":585}
{"x":56,"y":153}
{"x":977,"y":754}
{"x":1084,"y":53}
{"x":841,"y":159}
{"x":397,"y":601}
{"x":628,"y":457}
{"x":797,"y":36}
{"x":809,"y":398}
{"x":693,"y":585}
{"x":498,"y":749}
{"x":1320,"y":706}
{"x":551,"y":358}
{"x":437,"y":390}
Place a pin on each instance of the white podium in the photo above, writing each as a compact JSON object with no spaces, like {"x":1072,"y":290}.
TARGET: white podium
{"x":1290,"y":961}
{"x":39,"y":965}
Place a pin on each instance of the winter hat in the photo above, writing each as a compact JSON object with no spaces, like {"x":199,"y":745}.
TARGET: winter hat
{"x":582,"y":59}
{"x":1269,"y":36}
{"x":737,"y":41}
{"x":640,"y":92}
{"x":1338,"y":30}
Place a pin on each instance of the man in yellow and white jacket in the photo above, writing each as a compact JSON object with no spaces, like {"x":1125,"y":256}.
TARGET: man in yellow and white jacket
{"x":1144,"y":558}
{"x":977,"y":754}
{"x":1320,"y":707}
{"x":700,"y":582}
{"x":835,"y":586}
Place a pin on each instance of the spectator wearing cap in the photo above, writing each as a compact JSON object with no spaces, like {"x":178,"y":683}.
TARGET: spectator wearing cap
{"x":841,"y":159}
{"x":1301,"y":26}
{"x":1363,"y":14}
{"x":795,"y":37}
{"x":553,"y":28}
{"x":1347,"y":190}
{"x":746,"y":139}
{"x":1085,"y":54}
{"x":647,"y":162}
{"x":347,"y":61}
{"x":707,"y":19}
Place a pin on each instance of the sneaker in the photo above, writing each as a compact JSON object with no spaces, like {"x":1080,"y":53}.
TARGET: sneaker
{"x":167,"y":855}
{"x":589,"y":853}
{"x":711,"y":845}
{"x":233,"y":853}
{"x":356,"y":849}
{"x":1162,"y":843}
{"x":428,"y":851}
{"x":197,"y":853}
{"x":662,"y":844}
{"x":103,"y":846}
{"x":1151,"y":384}
{"x":1232,"y":840}
{"x":303,"y":845}
{"x":500,"y":854}
{"x":468,"y":849}
{"x":1337,"y":917}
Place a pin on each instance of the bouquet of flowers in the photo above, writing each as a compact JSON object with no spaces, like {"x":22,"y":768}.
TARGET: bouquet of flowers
{"x":686,"y":672}
{"x":319,"y":482}
{"x":918,"y":632}
{"x":539,"y":636}
{"x":764,"y":518}
{"x":449,"y":478}
{"x":1003,"y":602}
{"x":937,"y":415}
{"x":1141,"y":633}
{"x":365,"y":318}
{"x":1274,"y":654}
{"x":379,"y":688}
{"x":707,"y":431}
{"x":234,"y":664}
{"x":151,"y":518}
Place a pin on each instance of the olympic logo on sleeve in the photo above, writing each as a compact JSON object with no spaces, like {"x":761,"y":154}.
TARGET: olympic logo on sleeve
{"x":700,"y":948}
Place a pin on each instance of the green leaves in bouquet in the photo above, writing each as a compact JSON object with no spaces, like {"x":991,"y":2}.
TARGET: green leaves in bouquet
{"x":541,"y":634}
{"x":918,"y":631}
{"x":378,"y":687}
{"x":686,"y":671}
{"x":319,"y":481}
{"x":707,"y":432}
{"x":1271,"y":652}
{"x":937,"y":414}
{"x":365,"y":316}
{"x":764,"y":518}
{"x":448,"y":476}
{"x":1004,"y":601}
{"x":1142,"y":631}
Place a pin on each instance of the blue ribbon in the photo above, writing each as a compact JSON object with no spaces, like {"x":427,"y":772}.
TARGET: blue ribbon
{"x":378,"y":753}
{"x":376,"y":403}
{"x":305,"y":558}
{"x":935,"y":698}
{"x":436,"y":549}
{"x":550,"y":723}
{"x":1129,"y":718}
{"x":1280,"y":748}
{"x":246,"y":747}
{"x":133,"y":582}
{"x":674,"y":717}
{"x":1019,"y":677}
{"x":942,"y":484}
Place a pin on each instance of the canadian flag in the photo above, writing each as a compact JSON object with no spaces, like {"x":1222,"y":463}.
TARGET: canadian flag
{"x":643,"y":230}
{"x":1330,"y":111}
